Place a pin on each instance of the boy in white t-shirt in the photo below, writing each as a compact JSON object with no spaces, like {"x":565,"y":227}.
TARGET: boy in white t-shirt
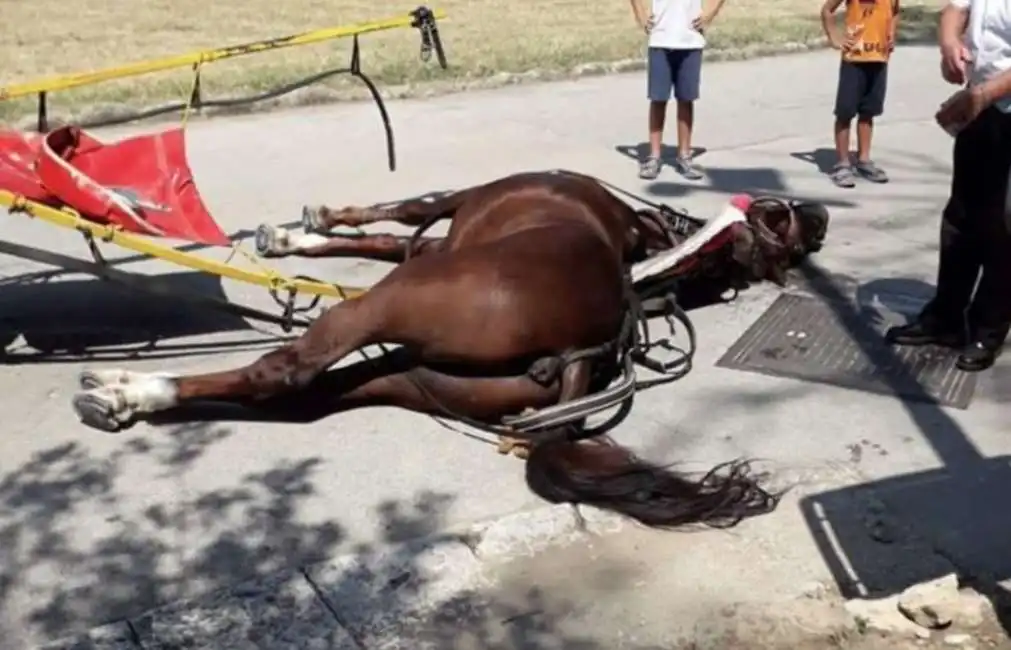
{"x":674,"y":66}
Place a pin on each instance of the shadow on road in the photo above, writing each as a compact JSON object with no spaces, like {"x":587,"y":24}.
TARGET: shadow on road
{"x":47,"y":320}
{"x":822,"y":158}
{"x":725,"y":180}
{"x":253,"y":570}
{"x":959,"y":510}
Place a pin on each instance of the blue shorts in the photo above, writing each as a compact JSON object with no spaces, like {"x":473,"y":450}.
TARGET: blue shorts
{"x":679,"y":71}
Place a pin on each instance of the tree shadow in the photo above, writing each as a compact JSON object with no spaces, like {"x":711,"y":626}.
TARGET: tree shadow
{"x":252,"y":574}
{"x":59,"y":576}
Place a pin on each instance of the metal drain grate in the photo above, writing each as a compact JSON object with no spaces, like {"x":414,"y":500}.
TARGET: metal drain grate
{"x":805,"y":338}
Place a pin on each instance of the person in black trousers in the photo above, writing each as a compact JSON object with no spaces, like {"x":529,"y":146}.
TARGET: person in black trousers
{"x":975,"y":225}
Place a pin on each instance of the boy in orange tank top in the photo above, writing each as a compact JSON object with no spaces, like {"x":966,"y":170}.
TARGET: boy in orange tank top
{"x":863,"y":78}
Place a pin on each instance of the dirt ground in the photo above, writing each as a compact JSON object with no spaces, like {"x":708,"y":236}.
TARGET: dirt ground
{"x":757,"y":588}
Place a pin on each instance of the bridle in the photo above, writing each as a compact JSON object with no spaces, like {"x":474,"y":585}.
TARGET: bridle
{"x":792,"y":240}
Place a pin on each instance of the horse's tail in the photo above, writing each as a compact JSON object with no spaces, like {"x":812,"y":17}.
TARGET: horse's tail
{"x":608,"y":476}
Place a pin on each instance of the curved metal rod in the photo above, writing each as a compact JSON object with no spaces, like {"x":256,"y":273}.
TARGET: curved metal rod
{"x":220,"y":103}
{"x":269,"y":94}
{"x":391,"y":153}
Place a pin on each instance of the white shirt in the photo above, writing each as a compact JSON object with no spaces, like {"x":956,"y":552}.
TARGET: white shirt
{"x":672,"y":26}
{"x":988,"y":38}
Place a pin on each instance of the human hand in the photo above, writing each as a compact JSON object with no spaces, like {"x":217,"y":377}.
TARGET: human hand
{"x":845,"y":44}
{"x":954,"y":59}
{"x":962,"y":108}
{"x":702,"y":21}
{"x":649,"y":24}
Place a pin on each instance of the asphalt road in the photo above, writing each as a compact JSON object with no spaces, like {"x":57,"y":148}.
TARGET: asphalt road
{"x":94,"y":527}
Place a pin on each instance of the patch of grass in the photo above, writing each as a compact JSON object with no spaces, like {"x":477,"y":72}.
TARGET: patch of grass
{"x":482,"y":38}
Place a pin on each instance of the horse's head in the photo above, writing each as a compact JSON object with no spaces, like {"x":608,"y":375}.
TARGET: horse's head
{"x":782,"y":234}
{"x":773,"y":236}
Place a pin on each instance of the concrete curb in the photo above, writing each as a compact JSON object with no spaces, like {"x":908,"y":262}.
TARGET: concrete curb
{"x":355,"y":600}
{"x":321,"y":95}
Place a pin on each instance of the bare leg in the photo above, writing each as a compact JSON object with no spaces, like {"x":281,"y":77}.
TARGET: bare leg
{"x":686,"y":123}
{"x":272,"y":241}
{"x":865,"y":130}
{"x":657,"y":118}
{"x":842,"y":142}
{"x":321,"y":219}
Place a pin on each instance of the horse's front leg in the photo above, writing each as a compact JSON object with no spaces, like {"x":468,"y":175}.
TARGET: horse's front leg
{"x":273,"y":241}
{"x":111,"y":399}
{"x":414,"y":212}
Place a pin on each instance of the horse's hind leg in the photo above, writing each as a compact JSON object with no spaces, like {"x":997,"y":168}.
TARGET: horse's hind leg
{"x":272,"y":241}
{"x":575,"y":382}
{"x":391,"y":380}
{"x":112,"y":398}
{"x":414,"y":212}
{"x":414,"y":388}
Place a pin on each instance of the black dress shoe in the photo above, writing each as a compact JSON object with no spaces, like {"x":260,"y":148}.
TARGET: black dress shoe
{"x":920,"y":333}
{"x":977,"y":356}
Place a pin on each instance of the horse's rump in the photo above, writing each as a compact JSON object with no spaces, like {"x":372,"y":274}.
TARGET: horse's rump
{"x":542,"y":291}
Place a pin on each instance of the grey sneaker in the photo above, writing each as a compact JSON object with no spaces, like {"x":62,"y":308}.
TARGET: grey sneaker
{"x":871,"y":172}
{"x":649,"y":168}
{"x":687,"y":168}
{"x":842,"y":175}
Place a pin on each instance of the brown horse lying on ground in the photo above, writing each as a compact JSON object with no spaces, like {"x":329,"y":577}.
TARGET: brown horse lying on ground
{"x":524,"y":304}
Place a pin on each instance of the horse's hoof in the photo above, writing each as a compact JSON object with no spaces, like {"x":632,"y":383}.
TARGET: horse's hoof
{"x":508,"y":446}
{"x":97,"y":413}
{"x":266,"y":241}
{"x":521,"y":451}
{"x":312,"y":223}
{"x":88,"y":380}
